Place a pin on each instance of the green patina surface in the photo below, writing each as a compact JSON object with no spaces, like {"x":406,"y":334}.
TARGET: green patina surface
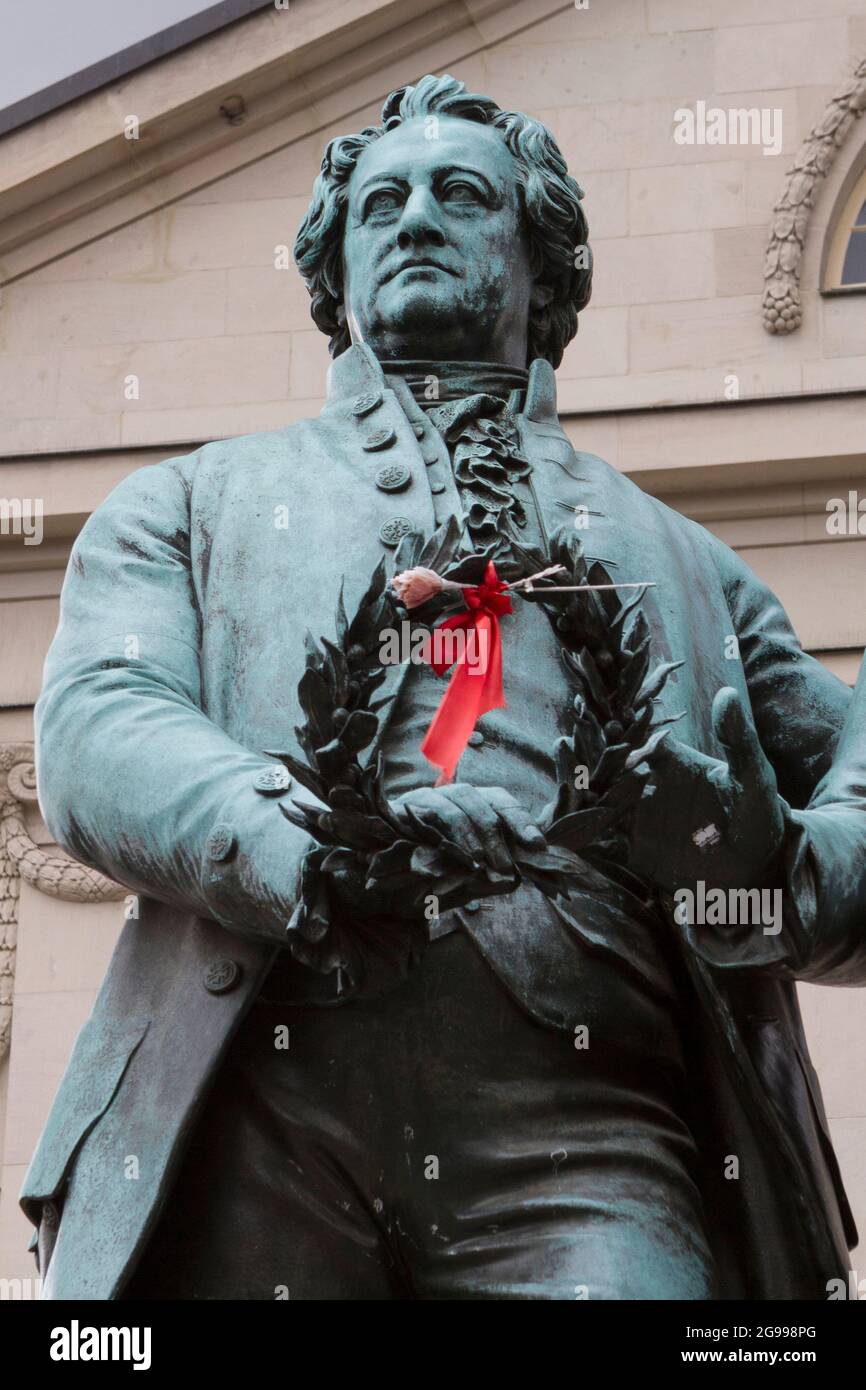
{"x":450,"y":247}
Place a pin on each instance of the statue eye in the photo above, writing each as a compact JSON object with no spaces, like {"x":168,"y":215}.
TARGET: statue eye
{"x":462,"y":193}
{"x":386,"y":200}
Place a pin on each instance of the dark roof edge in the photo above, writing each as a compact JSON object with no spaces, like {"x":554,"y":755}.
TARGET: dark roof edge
{"x":118,"y":65}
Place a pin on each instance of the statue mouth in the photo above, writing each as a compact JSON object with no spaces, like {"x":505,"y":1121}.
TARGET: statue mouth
{"x":422,"y":263}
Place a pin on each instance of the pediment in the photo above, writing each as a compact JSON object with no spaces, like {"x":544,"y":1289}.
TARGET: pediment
{"x":72,"y":176}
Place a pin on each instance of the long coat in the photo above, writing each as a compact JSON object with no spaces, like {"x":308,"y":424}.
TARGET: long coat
{"x":176,"y":663}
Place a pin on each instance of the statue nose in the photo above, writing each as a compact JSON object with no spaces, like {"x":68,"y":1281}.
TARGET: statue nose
{"x":419,"y":223}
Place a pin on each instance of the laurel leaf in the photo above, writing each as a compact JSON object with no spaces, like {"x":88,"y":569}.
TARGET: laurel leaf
{"x":356,"y":831}
{"x":627,"y":607}
{"x":359,"y":730}
{"x":640,"y":755}
{"x":439,"y":550}
{"x":610,"y":765}
{"x":395,"y":858}
{"x":579,"y":829}
{"x":315,"y":701}
{"x":342,"y":622}
{"x":655,"y":683}
{"x":633,"y":673}
{"x":335,"y":662}
{"x":635,"y":631}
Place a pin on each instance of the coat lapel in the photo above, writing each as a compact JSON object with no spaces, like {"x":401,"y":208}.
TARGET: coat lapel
{"x":362,"y":405}
{"x":562,"y":481}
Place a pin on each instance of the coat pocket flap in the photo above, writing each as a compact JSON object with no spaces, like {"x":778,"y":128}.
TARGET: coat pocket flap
{"x":102,"y":1052}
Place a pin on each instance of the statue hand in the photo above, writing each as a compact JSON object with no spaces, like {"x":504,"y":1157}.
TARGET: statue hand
{"x":487,"y":824}
{"x":484,"y":823}
{"x":706,"y":819}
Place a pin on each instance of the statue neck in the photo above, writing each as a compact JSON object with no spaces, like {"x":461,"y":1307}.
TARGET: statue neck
{"x":453,"y":381}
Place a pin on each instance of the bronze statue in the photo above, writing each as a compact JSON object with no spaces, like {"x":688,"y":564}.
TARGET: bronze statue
{"x":552,"y":1050}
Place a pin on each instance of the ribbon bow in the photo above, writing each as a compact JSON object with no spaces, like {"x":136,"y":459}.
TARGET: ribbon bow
{"x":476,"y":685}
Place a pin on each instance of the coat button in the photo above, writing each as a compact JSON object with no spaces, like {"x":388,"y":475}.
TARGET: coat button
{"x":221,"y":841}
{"x":271,"y":780}
{"x":394,"y":477}
{"x":420,"y":430}
{"x":430,"y":461}
{"x":367,"y":401}
{"x":379,"y":439}
{"x":475,"y":739}
{"x":392,"y":531}
{"x":221,"y":976}
{"x":437,"y":488}
{"x":474,"y":906}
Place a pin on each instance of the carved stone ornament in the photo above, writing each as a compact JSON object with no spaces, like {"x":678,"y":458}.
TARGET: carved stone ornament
{"x":53,"y":873}
{"x":783,"y":311}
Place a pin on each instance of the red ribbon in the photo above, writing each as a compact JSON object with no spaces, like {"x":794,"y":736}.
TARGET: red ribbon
{"x":476,"y":685}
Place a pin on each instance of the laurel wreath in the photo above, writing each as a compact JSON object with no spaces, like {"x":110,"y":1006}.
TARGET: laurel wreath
{"x":605,"y":644}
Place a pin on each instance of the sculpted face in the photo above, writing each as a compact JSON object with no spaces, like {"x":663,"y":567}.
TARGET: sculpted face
{"x":435,"y":257}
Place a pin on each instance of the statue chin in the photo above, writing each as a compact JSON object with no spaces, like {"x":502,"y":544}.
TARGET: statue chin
{"x":426,"y":321}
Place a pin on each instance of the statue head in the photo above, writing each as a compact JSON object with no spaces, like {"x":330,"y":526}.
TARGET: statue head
{"x":451,"y":231}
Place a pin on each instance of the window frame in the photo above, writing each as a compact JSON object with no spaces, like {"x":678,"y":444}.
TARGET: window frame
{"x":841,"y":230}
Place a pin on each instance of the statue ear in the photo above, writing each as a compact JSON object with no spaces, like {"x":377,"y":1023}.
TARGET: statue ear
{"x":341,"y":314}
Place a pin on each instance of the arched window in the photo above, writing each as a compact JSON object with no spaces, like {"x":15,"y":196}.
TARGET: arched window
{"x":846,"y":261}
{"x":854,"y":263}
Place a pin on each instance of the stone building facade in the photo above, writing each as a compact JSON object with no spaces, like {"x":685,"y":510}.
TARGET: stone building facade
{"x":149,"y":303}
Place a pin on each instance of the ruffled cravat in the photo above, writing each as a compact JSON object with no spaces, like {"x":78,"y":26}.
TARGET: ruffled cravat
{"x":481,"y":434}
{"x":474,"y":407}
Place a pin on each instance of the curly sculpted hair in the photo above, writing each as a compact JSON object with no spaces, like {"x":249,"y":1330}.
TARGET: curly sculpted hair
{"x":550,"y":201}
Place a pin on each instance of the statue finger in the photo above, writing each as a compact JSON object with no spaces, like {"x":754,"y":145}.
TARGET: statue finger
{"x":447,"y":816}
{"x":486,"y":823}
{"x":517,"y":818}
{"x":738,"y":736}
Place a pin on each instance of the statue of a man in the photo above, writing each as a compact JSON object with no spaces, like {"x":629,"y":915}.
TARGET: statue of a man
{"x":600,"y":1096}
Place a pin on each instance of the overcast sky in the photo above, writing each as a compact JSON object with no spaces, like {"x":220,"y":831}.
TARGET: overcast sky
{"x":42,"y":41}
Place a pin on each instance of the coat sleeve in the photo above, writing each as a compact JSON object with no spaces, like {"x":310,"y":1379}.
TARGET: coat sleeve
{"x":798,"y":706}
{"x":827,"y":861}
{"x":814,"y":734}
{"x":133,"y":778}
